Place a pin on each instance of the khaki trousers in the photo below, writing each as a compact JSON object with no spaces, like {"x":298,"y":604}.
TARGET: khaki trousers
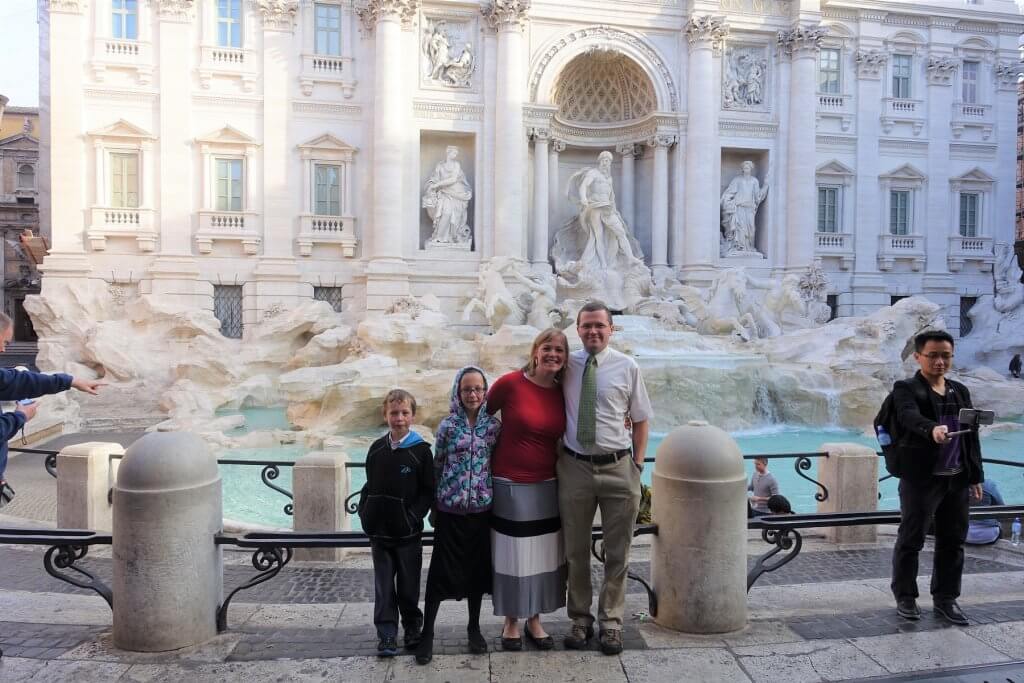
{"x":615,"y":489}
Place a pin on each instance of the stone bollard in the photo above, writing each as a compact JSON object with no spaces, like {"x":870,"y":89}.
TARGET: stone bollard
{"x":320,"y":485}
{"x":84,"y":476}
{"x":699,"y":557}
{"x":168,"y":572}
{"x":850,"y":473}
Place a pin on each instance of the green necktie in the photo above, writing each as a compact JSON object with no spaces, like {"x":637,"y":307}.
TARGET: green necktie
{"x":586,"y":420}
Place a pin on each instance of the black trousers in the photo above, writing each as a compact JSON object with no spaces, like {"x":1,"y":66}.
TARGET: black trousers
{"x":945,"y":499}
{"x":396,"y":585}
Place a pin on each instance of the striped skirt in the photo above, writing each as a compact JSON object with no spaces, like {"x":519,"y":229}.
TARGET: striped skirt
{"x":527,"y":551}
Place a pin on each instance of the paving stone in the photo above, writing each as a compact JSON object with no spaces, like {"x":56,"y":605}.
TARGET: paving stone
{"x":15,"y":669}
{"x":442,"y":669}
{"x":581,"y":667}
{"x":927,"y":650}
{"x":691,"y":664}
{"x":1007,"y":638}
{"x":806,"y":662}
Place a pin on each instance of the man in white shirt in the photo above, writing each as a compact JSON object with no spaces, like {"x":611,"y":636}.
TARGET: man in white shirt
{"x":600,"y":466}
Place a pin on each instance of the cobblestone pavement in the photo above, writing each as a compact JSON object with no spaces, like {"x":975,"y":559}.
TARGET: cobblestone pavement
{"x":43,"y":641}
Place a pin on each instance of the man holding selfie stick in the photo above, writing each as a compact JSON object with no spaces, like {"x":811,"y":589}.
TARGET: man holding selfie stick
{"x":940,"y":470}
{"x":23,"y":386}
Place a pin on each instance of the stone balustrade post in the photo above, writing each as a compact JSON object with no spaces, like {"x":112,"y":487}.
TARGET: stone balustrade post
{"x":84,"y":476}
{"x":320,"y":486}
{"x":850,"y":473}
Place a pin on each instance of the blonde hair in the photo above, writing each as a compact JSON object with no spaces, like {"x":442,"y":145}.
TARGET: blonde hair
{"x":400,"y":396}
{"x":543,"y":338}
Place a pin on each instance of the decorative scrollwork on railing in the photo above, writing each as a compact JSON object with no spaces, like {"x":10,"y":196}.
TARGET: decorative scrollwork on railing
{"x":270,"y":473}
{"x":801,"y":465}
{"x":783,"y":539}
{"x":50,"y":463}
{"x":352,"y":502}
{"x":268,"y":561}
{"x":64,"y":557}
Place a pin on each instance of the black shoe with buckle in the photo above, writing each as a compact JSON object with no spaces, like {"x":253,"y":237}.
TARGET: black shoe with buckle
{"x":951,"y":612}
{"x":908,"y":609}
{"x":579,"y":636}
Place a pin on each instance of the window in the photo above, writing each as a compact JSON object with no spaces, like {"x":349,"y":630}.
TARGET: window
{"x":328,"y":29}
{"x":969,"y":78}
{"x":969,"y":202}
{"x":227,"y":307}
{"x":832,"y":301}
{"x":229,"y":23}
{"x":897,"y":297}
{"x":828,"y":71}
{"x":828,"y":209}
{"x":26,"y":177}
{"x":229,"y":185}
{"x":125,"y":17}
{"x":124,"y":180}
{"x":327,"y":182}
{"x":966,"y":324}
{"x":899,"y":212}
{"x":901,"y":69}
{"x":331,"y":295}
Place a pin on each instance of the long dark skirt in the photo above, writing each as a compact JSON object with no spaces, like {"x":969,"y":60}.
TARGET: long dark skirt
{"x":460,"y":564}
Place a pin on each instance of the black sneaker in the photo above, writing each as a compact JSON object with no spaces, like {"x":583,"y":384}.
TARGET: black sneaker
{"x":579,"y":636}
{"x":387,"y":646}
{"x":412,"y":637}
{"x":950,"y":611}
{"x":908,"y":609}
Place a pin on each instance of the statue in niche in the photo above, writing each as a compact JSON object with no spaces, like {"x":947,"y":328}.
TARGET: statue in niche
{"x":595,"y":254}
{"x":441,"y":66}
{"x":744,"y":79}
{"x":739,"y":209}
{"x":446,"y":196}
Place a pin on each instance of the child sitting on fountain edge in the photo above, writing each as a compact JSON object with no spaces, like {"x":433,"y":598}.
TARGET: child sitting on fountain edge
{"x":398,"y":493}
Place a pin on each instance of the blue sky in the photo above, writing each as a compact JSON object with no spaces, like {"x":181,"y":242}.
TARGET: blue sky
{"x":19,"y":58}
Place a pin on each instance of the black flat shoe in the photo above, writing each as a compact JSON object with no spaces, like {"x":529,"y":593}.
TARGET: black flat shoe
{"x":425,"y":649}
{"x":477,"y":642}
{"x":545,"y":643}
{"x":512,"y":644}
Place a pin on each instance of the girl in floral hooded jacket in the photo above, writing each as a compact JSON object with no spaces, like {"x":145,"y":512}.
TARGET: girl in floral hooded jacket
{"x":460,"y":564}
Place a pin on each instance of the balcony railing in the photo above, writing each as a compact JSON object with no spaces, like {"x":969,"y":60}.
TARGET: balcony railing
{"x":109,"y":221}
{"x":970,"y":115}
{"x":329,"y":69}
{"x":229,"y":62}
{"x":970,"y":249}
{"x":902,"y":109}
{"x":229,"y":226}
{"x":338,"y":230}
{"x":128,"y":55}
{"x":836,"y":106}
{"x":893,"y":248}
{"x":835,"y":245}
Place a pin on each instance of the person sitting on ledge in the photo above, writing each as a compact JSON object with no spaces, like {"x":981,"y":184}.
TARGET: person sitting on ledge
{"x":764,"y":485}
{"x":21,"y":385}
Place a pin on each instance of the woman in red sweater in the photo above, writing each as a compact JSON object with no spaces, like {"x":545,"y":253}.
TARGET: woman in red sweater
{"x":526,"y":532}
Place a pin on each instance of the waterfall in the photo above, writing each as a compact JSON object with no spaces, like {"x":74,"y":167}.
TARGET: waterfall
{"x":764,"y":405}
{"x":832,"y":403}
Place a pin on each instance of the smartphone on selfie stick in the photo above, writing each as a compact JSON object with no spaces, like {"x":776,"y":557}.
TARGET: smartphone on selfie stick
{"x":973,"y":418}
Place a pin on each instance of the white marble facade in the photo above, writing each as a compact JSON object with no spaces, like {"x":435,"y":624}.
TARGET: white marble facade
{"x":285,"y":146}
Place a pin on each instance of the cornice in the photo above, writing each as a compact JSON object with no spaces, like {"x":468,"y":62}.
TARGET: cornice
{"x":450,"y":111}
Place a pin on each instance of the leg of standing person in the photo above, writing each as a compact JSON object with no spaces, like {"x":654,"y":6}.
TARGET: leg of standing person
{"x":918,"y":500}
{"x":385,"y":601}
{"x":409,"y":566}
{"x":477,"y":642}
{"x":425,"y":648}
{"x":577,"y":504}
{"x":951,"y":521}
{"x":618,"y":488}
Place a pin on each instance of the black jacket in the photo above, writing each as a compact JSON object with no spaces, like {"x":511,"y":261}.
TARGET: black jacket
{"x":399,"y":489}
{"x":917,"y":411}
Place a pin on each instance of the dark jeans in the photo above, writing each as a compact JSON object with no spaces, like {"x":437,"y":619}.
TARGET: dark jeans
{"x":945,"y":498}
{"x":396,"y":585}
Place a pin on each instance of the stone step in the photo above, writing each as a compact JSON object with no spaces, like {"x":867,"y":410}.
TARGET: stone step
{"x":121,"y":423}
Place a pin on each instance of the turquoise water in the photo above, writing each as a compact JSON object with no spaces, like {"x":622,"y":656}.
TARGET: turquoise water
{"x":247,"y":499}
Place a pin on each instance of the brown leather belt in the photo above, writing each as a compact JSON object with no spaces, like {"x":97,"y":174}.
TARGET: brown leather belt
{"x":600,"y":458}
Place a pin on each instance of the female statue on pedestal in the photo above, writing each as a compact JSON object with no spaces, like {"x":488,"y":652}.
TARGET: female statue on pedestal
{"x":446,"y":198}
{"x":739,"y":208}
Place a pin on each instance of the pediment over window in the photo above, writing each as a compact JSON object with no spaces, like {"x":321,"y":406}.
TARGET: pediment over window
{"x":834,"y":168}
{"x":906,"y":172}
{"x":228,"y":135}
{"x":975,"y":175}
{"x":21,"y":141}
{"x":327,"y":142}
{"x":122,"y":129}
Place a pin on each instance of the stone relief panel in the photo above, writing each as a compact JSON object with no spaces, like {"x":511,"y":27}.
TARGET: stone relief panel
{"x":770,"y":8}
{"x":448,"y":52}
{"x":745,"y":78}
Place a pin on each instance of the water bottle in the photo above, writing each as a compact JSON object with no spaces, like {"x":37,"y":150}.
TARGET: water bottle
{"x":883,"y":436}
{"x":1015,"y":531}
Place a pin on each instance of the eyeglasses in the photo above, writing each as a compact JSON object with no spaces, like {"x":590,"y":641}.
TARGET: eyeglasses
{"x":938,"y":356}
{"x":473,"y":390}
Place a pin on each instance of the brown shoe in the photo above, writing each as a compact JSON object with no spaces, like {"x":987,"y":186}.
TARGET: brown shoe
{"x":611,"y":641}
{"x":578,"y":637}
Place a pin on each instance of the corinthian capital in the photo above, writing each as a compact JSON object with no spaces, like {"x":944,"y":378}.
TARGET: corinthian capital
{"x":704,"y":30}
{"x":180,"y":10}
{"x":506,"y":13}
{"x":64,"y":6}
{"x":278,"y":14}
{"x":941,"y":69}
{"x":372,"y":11}
{"x":802,"y":40}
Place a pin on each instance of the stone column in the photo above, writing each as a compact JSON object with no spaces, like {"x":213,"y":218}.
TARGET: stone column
{"x":83,"y":482}
{"x":320,"y":485}
{"x":63,"y":28}
{"x":387,"y":274}
{"x":705,"y":35}
{"x":659,"y":205}
{"x":539,"y":239}
{"x":803,"y":44}
{"x":174,"y":271}
{"x":276,"y":277}
{"x":508,"y":17}
{"x":850,"y":473}
{"x":556,"y":147}
{"x":626,"y":198}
